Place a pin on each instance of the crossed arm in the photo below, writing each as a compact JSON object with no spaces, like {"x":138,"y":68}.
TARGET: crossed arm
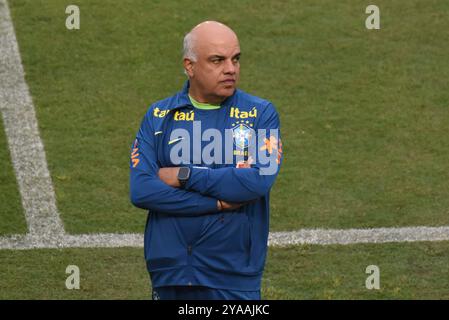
{"x":169,"y":176}
{"x":207,"y":190}
{"x":149,"y":191}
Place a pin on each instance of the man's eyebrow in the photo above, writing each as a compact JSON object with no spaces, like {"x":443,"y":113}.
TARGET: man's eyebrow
{"x":217,"y":56}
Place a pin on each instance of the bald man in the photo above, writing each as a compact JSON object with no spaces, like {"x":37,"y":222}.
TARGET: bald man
{"x":202,"y":164}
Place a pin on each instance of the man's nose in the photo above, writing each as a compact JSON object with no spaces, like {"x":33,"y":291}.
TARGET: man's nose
{"x":229,"y":67}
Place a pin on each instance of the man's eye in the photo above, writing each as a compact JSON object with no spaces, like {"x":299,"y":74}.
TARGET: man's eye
{"x":216,"y":61}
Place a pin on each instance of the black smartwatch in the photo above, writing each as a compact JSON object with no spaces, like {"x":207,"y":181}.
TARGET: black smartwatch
{"x":183,"y":176}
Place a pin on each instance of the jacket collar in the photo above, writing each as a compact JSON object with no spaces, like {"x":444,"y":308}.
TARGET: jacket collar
{"x":184,"y":100}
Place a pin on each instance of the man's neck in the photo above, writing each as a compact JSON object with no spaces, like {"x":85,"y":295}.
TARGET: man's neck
{"x":205,"y":99}
{"x":203,"y":106}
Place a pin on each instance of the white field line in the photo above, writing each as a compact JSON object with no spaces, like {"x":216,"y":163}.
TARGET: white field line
{"x":276,"y":239}
{"x":26,"y":148}
{"x":45,"y":228}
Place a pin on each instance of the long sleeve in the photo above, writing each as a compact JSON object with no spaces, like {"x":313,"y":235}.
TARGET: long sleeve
{"x":245,"y":184}
{"x":147,"y":191}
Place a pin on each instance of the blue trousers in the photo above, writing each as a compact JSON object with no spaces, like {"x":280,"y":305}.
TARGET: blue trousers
{"x":202,"y":293}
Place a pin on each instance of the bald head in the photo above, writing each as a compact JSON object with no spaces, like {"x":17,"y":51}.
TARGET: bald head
{"x":206,"y":34}
{"x":211,"y":61}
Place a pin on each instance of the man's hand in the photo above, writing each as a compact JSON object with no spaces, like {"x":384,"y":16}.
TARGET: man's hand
{"x":245,"y":164}
{"x":169,"y":175}
{"x":228,"y":206}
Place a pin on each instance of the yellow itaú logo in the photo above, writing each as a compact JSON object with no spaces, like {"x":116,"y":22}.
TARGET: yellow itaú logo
{"x":236,"y":113}
{"x":186,"y":116}
{"x":178,"y":116}
{"x":160,"y":113}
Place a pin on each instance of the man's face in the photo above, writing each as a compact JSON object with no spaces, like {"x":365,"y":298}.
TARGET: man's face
{"x":216,"y":72}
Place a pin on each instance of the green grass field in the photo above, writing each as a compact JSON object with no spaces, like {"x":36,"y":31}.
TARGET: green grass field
{"x":407,"y":271}
{"x":364,"y":113}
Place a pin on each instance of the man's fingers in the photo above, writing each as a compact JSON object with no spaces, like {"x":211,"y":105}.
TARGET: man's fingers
{"x":231,"y":205}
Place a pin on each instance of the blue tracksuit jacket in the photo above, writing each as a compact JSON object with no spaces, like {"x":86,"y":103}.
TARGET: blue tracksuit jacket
{"x":187,"y":240}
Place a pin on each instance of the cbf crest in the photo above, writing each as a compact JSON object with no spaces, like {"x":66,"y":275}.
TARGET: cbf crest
{"x":242,"y":135}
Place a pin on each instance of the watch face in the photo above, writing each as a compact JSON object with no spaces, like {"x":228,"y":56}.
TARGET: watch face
{"x":183,"y":173}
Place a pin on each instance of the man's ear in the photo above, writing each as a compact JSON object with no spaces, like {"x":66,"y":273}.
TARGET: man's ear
{"x":188,"y":67}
